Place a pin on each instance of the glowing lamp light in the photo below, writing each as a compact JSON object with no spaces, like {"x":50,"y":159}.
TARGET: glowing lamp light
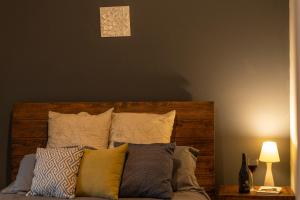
{"x":269,"y":154}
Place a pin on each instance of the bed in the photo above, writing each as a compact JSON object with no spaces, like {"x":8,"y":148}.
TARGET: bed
{"x":194,"y":126}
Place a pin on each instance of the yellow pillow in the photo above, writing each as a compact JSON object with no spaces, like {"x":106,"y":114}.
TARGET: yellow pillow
{"x":100,"y":172}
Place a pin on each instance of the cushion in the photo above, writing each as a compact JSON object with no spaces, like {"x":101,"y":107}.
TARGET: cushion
{"x":141,"y":128}
{"x":25,"y":173}
{"x":55,"y":172}
{"x":185,"y":160}
{"x":79,"y":129}
{"x":100,"y":172}
{"x":148,"y":171}
{"x":24,"y":177}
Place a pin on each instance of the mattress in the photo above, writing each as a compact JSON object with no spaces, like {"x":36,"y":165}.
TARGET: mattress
{"x":176,"y":196}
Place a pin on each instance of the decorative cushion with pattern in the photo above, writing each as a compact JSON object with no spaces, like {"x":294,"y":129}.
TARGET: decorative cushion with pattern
{"x":55,"y":172}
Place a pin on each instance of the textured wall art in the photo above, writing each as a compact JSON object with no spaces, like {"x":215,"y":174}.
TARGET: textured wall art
{"x":115,"y":21}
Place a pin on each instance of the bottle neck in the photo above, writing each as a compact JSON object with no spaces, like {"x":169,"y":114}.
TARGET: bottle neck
{"x":244,"y":160}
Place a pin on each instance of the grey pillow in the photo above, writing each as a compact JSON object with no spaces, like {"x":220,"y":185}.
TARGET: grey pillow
{"x":24,"y":177}
{"x":25,"y":173}
{"x":148,"y":171}
{"x":185,"y":159}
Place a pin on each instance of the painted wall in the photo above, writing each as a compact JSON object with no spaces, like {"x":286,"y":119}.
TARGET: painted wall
{"x":233,"y":52}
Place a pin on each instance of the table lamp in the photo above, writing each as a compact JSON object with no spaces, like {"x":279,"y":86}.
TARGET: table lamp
{"x":269,"y":154}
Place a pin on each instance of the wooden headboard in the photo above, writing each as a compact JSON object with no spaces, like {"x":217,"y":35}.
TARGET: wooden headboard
{"x":194,"y":126}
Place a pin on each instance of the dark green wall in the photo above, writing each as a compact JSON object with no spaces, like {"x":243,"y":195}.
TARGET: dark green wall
{"x":233,"y":52}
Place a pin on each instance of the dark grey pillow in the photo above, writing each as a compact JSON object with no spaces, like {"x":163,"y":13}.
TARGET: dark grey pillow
{"x":24,"y":177}
{"x":148,"y":171}
{"x":185,"y":159}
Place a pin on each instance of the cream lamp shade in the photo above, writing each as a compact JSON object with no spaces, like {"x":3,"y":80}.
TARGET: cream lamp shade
{"x":269,"y":154}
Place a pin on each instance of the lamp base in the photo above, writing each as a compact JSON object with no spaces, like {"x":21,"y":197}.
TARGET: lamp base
{"x":269,"y":180}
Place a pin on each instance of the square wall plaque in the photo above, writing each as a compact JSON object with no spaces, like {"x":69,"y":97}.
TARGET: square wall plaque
{"x":115,"y":21}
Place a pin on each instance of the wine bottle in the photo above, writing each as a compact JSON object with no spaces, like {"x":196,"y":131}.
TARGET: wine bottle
{"x":244,"y":176}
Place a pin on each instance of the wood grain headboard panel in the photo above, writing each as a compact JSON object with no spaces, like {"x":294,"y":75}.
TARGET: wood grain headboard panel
{"x":194,"y":126}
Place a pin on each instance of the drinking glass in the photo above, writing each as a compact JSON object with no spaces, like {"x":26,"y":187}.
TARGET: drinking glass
{"x":252,"y":165}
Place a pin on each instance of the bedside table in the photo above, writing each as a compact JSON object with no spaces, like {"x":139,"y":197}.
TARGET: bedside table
{"x":231,"y":192}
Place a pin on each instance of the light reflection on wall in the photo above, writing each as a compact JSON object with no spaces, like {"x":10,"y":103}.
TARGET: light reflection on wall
{"x":267,"y":124}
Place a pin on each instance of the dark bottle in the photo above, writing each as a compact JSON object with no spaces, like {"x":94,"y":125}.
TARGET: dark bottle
{"x":244,"y":176}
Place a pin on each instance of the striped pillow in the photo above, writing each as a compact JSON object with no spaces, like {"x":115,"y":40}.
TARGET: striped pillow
{"x":55,"y":172}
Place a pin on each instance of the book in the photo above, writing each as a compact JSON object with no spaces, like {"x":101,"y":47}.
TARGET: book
{"x":269,"y":190}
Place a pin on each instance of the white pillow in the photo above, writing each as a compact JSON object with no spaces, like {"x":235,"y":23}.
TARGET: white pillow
{"x":141,"y":128}
{"x":79,"y":129}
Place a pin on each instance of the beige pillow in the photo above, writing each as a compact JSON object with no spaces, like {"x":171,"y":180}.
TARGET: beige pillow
{"x":79,"y":129}
{"x":141,"y":128}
